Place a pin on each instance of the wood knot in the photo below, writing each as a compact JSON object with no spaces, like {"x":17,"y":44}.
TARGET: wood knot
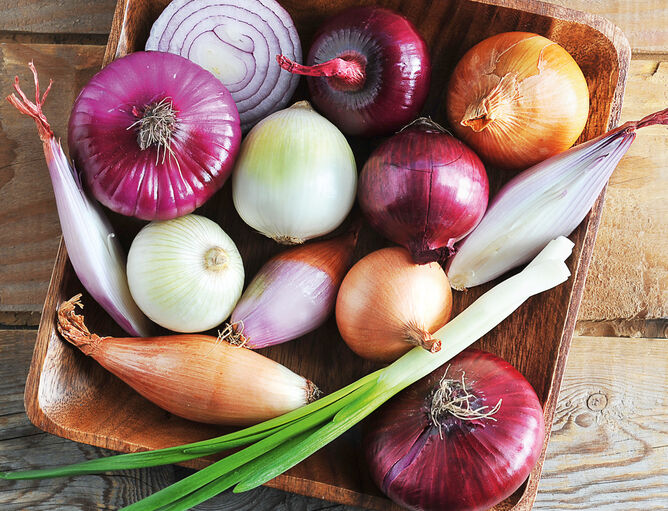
{"x":597,"y":402}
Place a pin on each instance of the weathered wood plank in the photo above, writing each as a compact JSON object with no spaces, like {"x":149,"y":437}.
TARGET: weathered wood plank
{"x":628,"y":275}
{"x":654,"y":328}
{"x":29,"y":227}
{"x":645,"y":22}
{"x":609,"y":441}
{"x":64,"y":16}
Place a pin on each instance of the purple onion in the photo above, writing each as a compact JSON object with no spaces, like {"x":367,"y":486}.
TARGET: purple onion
{"x":292,"y":294}
{"x":368,"y":71}
{"x":154,"y":135}
{"x":423,"y":189}
{"x":462,"y":438}
{"x":237,"y":41}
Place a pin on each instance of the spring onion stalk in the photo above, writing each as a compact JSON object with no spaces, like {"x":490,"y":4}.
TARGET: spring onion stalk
{"x":281,"y":443}
{"x":92,"y":246}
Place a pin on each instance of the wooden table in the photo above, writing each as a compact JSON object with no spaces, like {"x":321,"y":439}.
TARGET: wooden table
{"x":609,"y":446}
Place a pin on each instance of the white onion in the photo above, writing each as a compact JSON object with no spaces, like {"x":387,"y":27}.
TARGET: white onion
{"x":185,"y":274}
{"x":295,"y":177}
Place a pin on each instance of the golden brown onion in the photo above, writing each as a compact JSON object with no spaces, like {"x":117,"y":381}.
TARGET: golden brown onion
{"x":387,"y":304}
{"x":517,"y":98}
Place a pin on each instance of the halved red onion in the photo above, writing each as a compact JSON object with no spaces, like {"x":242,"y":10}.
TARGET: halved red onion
{"x":238,"y":42}
{"x":154,"y":135}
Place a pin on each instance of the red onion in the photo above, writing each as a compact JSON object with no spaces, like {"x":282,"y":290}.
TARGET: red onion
{"x":423,"y":189}
{"x":154,"y":135}
{"x":368,"y":71}
{"x":463,"y":438}
{"x":237,"y":41}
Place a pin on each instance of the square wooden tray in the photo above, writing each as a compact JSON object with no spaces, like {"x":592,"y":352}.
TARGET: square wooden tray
{"x":71,"y":396}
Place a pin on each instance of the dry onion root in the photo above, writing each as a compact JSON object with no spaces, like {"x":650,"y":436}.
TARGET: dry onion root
{"x":198,"y":377}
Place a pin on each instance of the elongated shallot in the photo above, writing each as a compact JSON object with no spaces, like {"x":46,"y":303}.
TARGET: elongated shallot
{"x":92,"y":246}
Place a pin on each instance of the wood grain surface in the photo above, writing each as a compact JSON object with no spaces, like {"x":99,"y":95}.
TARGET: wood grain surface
{"x":80,"y":17}
{"x":609,"y":446}
{"x":645,"y":22}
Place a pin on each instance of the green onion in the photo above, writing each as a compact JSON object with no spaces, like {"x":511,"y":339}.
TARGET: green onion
{"x":281,"y":443}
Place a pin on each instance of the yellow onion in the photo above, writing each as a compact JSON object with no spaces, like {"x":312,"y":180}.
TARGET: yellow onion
{"x":517,"y":98}
{"x":197,"y":377}
{"x":387,"y":305}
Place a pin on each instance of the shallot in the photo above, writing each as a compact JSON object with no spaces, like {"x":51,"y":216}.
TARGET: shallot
{"x":548,"y":200}
{"x":292,"y":294}
{"x":93,"y":248}
{"x":194,"y":376}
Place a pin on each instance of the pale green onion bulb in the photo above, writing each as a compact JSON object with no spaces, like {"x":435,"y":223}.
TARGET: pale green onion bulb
{"x":185,"y":274}
{"x":295,"y":177}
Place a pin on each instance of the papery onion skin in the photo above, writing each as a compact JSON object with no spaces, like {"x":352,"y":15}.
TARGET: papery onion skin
{"x":154,"y":183}
{"x":247,"y":35}
{"x":295,"y":177}
{"x":387,"y":305}
{"x":197,"y":377}
{"x":476,"y":464}
{"x":186,"y":274}
{"x":397,"y":71}
{"x":517,"y":98}
{"x":293,"y":293}
{"x":424,"y":189}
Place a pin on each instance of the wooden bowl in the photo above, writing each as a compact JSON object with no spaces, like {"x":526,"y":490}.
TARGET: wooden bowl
{"x":70,"y":395}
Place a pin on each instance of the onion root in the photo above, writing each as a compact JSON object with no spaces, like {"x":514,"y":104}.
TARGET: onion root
{"x":73,"y":329}
{"x":452,"y":398}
